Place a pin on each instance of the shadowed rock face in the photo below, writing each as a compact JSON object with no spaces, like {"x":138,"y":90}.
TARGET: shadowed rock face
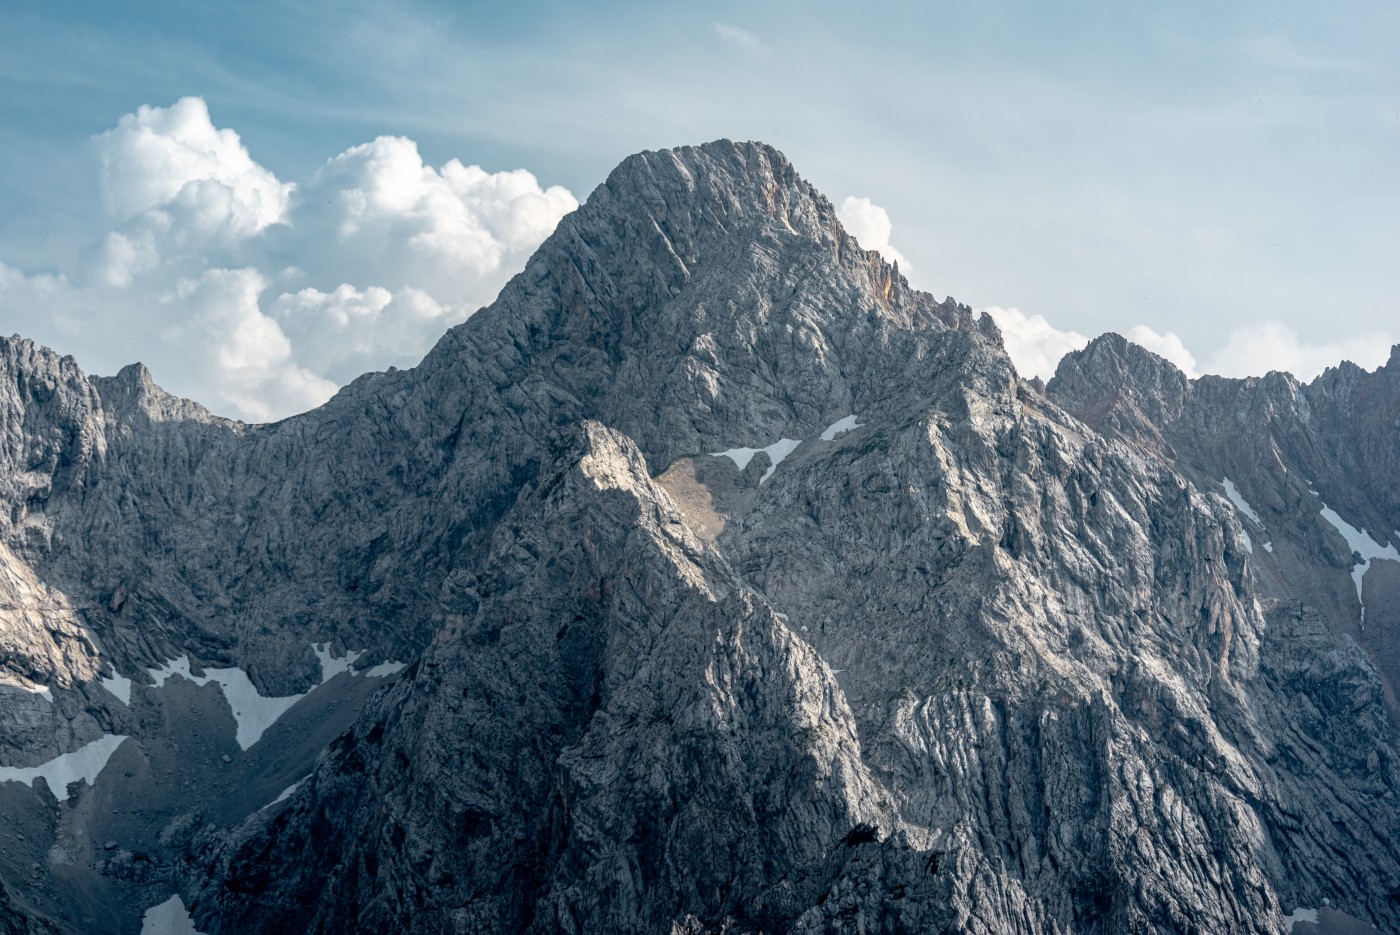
{"x":981,"y":659}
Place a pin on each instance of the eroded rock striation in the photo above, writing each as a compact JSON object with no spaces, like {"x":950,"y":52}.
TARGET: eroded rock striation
{"x":742,"y":589}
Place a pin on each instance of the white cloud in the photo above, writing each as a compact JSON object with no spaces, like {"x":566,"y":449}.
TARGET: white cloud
{"x":1256,"y":349}
{"x":870,"y":224}
{"x":192,"y":274}
{"x":173,"y":160}
{"x":1034,"y":345}
{"x":251,"y":361}
{"x":1164,"y":345}
{"x":122,"y":256}
{"x":345,"y":332}
{"x":739,"y":38}
{"x":258,"y":296}
{"x":398,"y":222}
{"x":205,"y":336}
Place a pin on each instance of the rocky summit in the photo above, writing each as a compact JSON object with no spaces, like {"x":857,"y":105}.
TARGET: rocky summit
{"x":712,"y":580}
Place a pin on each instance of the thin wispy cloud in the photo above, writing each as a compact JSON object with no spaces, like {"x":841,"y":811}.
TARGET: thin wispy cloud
{"x":1280,"y":52}
{"x":739,"y":38}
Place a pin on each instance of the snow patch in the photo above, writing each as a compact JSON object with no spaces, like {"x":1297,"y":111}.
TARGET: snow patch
{"x":179,"y":666}
{"x":1300,"y":915}
{"x":1368,"y":548}
{"x":776,"y":452}
{"x":83,"y":763}
{"x":1248,"y":542}
{"x":1233,"y":493}
{"x":839,"y":426}
{"x":169,"y":918}
{"x":330,"y":665}
{"x":118,"y":685}
{"x":383,"y":669}
{"x":42,"y":690}
{"x":740,"y":456}
{"x":253,"y":713}
{"x":1269,"y":547}
{"x":286,"y":793}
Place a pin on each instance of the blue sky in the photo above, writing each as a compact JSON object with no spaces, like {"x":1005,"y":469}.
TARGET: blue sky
{"x":1223,"y":173}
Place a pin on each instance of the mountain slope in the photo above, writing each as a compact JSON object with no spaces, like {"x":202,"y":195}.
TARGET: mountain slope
{"x":749,"y":590}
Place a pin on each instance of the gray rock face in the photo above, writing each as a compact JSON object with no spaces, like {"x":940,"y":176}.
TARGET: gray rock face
{"x":746,"y":589}
{"x":1293,"y":454}
{"x":619,"y":710}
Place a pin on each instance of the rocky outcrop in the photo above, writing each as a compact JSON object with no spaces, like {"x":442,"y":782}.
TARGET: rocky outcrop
{"x":747,"y":590}
{"x":620,"y":734}
{"x":1311,"y":466}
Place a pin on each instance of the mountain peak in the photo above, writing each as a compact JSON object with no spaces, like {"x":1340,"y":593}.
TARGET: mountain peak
{"x":751,"y":160}
{"x":1115,"y":383}
{"x":707,"y":296}
{"x":743,"y":157}
{"x":720,"y":187}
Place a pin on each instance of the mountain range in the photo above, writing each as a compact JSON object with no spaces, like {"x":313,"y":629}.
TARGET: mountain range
{"x":712,"y":580}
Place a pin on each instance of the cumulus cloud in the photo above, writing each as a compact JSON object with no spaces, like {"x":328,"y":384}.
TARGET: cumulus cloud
{"x":404,"y":223}
{"x":1034,"y":345}
{"x":206,"y":337}
{"x":1256,"y":349}
{"x":121,"y":256}
{"x":253,"y":362}
{"x":870,"y":225}
{"x":174,"y":161}
{"x":259,"y":297}
{"x":347,"y":331}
